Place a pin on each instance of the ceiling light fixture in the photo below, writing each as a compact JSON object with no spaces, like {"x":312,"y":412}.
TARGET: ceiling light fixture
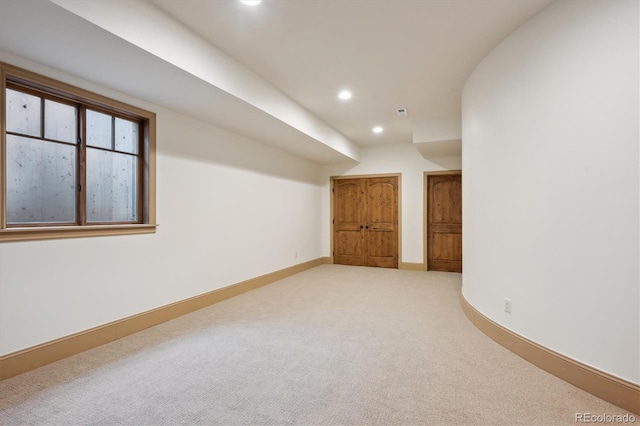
{"x":377,"y":129}
{"x":251,"y":2}
{"x":344,"y":95}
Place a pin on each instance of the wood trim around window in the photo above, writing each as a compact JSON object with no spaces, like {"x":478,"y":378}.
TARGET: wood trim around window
{"x":3,"y":169}
{"x":22,"y":77}
{"x":56,"y":232}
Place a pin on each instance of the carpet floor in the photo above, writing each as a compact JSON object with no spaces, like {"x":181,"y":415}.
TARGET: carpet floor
{"x":334,"y":345}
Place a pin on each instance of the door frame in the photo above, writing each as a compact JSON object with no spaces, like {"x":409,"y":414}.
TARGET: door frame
{"x":399,"y":201}
{"x":425,"y":210}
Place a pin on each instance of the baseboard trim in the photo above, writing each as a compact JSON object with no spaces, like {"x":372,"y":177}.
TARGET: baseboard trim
{"x":37,"y":356}
{"x":603,"y":385}
{"x":408,"y":266}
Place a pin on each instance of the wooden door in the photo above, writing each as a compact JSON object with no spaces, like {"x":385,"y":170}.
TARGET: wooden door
{"x":365,"y":223}
{"x":381,"y":222}
{"x":444,"y":223}
{"x":348,"y":221}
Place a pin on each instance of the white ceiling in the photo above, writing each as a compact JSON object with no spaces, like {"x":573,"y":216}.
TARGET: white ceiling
{"x":297,"y":55}
{"x":391,"y":53}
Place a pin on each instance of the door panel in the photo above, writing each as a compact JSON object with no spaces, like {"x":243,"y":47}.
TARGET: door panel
{"x":348,"y":205}
{"x":381,"y":193}
{"x":447,"y":199}
{"x":382,"y":220}
{"x":447,"y":246}
{"x":366,"y":221}
{"x":444,"y":223}
{"x":382,"y":250}
{"x":350,"y":243}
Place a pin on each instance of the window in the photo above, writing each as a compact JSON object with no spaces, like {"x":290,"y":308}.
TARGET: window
{"x":73,"y":163}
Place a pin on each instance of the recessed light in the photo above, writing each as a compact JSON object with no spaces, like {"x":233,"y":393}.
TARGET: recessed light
{"x":251,"y":2}
{"x":377,"y":129}
{"x":344,"y":95}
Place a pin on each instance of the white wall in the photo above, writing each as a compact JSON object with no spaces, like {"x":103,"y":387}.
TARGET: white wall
{"x":437,"y":130}
{"x":550,"y":194}
{"x":229,"y":209}
{"x":398,"y":158}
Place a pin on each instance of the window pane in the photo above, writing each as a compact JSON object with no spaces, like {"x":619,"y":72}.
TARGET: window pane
{"x":112,"y":194}
{"x":98,"y":129}
{"x":60,"y":121}
{"x":41,"y":181}
{"x":126,"y":136}
{"x":23,"y":113}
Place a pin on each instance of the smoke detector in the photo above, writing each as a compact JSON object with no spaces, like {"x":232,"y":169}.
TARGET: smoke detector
{"x":402,"y":112}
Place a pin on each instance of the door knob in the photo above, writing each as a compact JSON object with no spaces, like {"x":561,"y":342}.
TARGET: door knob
{"x":367,"y":226}
{"x":361,"y":226}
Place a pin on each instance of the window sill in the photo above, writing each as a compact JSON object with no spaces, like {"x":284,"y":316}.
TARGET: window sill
{"x":56,"y":232}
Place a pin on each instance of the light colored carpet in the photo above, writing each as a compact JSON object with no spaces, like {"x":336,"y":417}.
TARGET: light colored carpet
{"x":332,"y":345}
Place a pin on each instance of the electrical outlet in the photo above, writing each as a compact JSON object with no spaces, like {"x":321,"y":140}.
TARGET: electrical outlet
{"x":507,"y":305}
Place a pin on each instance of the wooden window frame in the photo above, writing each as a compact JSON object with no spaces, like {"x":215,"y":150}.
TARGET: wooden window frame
{"x":51,"y":89}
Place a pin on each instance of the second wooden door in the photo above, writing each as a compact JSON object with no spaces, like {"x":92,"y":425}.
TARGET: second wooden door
{"x":365,"y":221}
{"x":444,"y":223}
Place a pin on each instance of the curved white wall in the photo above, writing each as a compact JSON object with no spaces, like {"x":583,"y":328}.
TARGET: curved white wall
{"x":550,"y":169}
